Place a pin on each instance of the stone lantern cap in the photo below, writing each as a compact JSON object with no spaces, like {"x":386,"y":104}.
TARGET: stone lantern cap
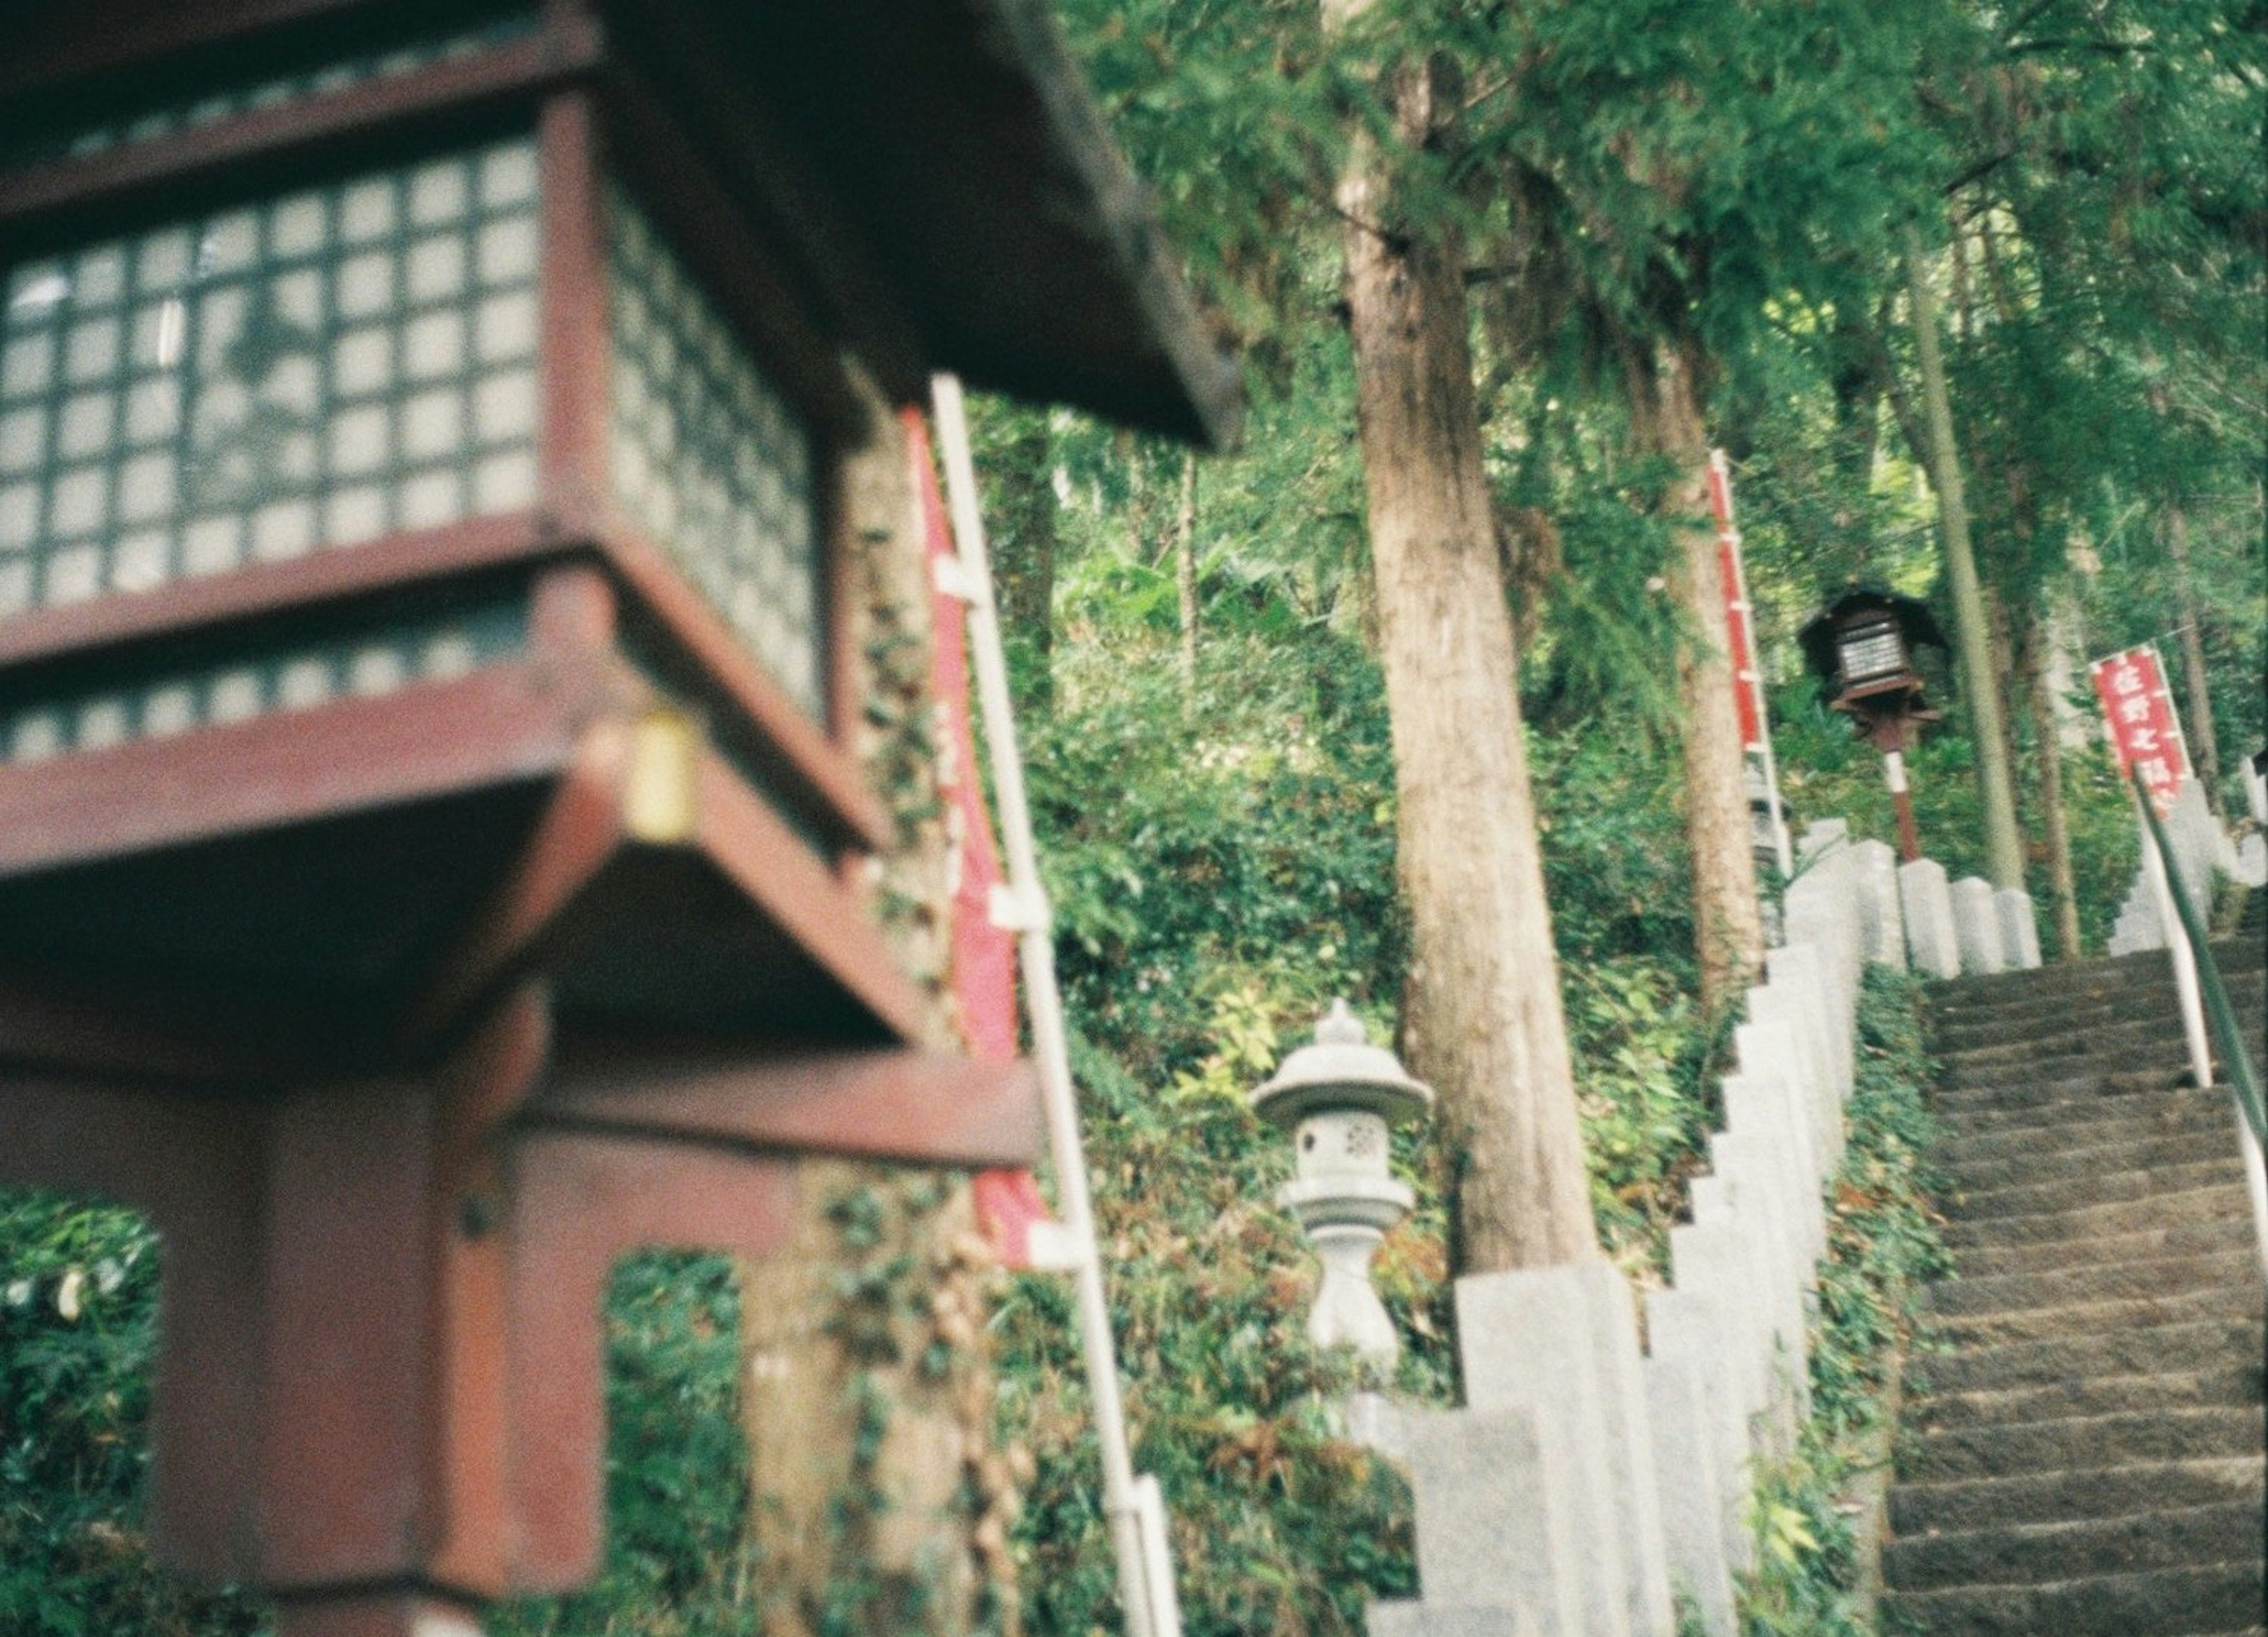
{"x":1341,"y":1073}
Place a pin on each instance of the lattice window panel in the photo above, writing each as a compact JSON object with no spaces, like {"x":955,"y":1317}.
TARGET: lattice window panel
{"x":363,"y":662}
{"x":271,"y":380}
{"x":710,"y":459}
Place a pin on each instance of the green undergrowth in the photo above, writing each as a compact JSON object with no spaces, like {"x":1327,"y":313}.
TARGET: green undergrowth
{"x":79,"y":1297}
{"x":1882,"y":1244}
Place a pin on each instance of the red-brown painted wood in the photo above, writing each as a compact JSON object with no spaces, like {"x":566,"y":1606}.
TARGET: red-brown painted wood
{"x":886,"y":1103}
{"x":493,"y":726}
{"x":578,"y":1203}
{"x":321,"y":579}
{"x":133,"y":178}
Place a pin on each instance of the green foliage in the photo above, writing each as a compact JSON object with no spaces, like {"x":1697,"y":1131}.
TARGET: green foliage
{"x":1279,"y":1524}
{"x":1882,"y":1242}
{"x":78,"y":1288}
{"x":680,"y":1561}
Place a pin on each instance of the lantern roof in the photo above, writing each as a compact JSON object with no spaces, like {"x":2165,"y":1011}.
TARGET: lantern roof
{"x":944,"y":155}
{"x":1916,"y":623}
{"x":964,"y":140}
{"x":1341,"y":1072}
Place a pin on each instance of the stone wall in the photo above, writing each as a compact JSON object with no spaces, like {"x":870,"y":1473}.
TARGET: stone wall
{"x":1594,"y":1481}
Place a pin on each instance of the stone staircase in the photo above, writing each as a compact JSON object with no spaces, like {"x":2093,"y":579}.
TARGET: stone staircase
{"x":2085,"y":1459}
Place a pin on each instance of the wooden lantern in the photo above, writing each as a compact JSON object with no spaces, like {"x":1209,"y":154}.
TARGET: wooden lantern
{"x":430,"y":837}
{"x":1861,"y":647}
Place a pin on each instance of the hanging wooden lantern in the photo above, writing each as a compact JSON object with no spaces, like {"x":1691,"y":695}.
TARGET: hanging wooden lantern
{"x":426,"y":693}
{"x":1861,"y":647}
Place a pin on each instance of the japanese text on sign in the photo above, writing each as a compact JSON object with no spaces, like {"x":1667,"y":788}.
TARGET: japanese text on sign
{"x":2146,"y":735}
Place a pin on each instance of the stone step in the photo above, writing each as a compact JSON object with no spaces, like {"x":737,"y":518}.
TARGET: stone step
{"x":2213,"y":1343}
{"x":1961,"y":1098}
{"x":2207,"y":1118}
{"x":2236,"y":1387}
{"x":1951,"y":1034}
{"x":1916,"y":1508}
{"x":2221,"y":1203}
{"x":2164,"y":1239}
{"x":2094,"y":1053}
{"x":1998,"y":987}
{"x":2099,"y":1318}
{"x":2158,"y":1276}
{"x":2084,"y":1105}
{"x":2082,"y":981}
{"x":2081,"y":1443}
{"x":2152,"y":1010}
{"x":2152,"y":1603}
{"x":2107,"y":991}
{"x":2168,"y":1538}
{"x":2065,"y":1194}
{"x":2085,"y":1048}
{"x":1972,"y":1173}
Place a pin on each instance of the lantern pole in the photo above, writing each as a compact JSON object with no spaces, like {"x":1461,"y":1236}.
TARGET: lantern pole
{"x":1892,"y":740}
{"x":1134,"y":1507}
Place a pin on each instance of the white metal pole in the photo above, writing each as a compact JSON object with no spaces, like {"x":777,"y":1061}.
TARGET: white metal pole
{"x":1035,"y":949}
{"x":2178,"y":947}
{"x":2256,"y":1184}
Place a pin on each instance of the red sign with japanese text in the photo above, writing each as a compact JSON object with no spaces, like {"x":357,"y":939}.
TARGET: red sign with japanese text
{"x":1747,"y":688}
{"x":2146,"y":735}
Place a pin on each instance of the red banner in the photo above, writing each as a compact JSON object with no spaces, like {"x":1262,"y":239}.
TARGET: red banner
{"x":1008,"y":1203}
{"x":1747,"y":687}
{"x":2145,"y":733}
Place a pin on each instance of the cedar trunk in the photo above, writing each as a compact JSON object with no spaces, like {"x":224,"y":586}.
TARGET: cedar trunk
{"x":2047,"y":736}
{"x":1489,"y":1032}
{"x":1185,"y":579}
{"x":1727,"y":927}
{"x":1021,"y":525}
{"x":1996,"y":785}
{"x":2205,"y":744}
{"x":892,"y":1531}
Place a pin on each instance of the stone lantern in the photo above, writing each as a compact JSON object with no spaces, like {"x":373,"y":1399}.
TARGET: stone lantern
{"x":1339,"y":1097}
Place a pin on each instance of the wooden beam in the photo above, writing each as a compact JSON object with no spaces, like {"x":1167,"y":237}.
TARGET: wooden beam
{"x":885,"y":1102}
{"x":37,"y":200}
{"x":495,"y":727}
{"x":320,"y":581}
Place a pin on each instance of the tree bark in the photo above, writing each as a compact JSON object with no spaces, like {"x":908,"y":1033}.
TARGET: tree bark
{"x":1021,"y":528}
{"x":1185,"y":579}
{"x":2205,"y":745}
{"x":1727,"y":926}
{"x":877,"y":1494}
{"x":1995,"y":782}
{"x":1491,"y":1035}
{"x":2054,"y":824}
{"x":2005,"y":685}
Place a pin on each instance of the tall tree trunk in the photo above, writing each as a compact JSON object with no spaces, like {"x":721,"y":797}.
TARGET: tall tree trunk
{"x":1727,"y":928}
{"x":1022,"y":529}
{"x":2004,"y":857}
{"x":1185,"y":579}
{"x":2205,"y":745}
{"x":1492,"y":1036}
{"x":2047,"y":736}
{"x":2005,"y":687}
{"x":878,"y":1500}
